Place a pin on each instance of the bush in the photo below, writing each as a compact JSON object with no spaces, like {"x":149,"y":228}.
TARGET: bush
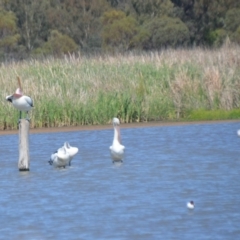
{"x":168,"y":32}
{"x":58,"y":44}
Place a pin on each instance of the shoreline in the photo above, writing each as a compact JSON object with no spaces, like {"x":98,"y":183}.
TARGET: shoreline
{"x":109,"y":126}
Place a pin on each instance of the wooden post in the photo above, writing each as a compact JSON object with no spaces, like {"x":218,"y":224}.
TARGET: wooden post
{"x":23,"y":162}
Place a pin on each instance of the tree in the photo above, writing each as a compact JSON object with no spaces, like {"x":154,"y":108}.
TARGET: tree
{"x":167,"y":32}
{"x":8,"y":33}
{"x":236,"y":36}
{"x":232,"y":24}
{"x":118,"y":30}
{"x":122,"y":5}
{"x":31,"y":20}
{"x":79,"y":19}
{"x":232,"y":19}
{"x":152,"y":8}
{"x":210,"y":16}
{"x":57,"y":45}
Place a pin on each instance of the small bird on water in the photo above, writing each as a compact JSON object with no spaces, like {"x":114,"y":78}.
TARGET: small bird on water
{"x":190,"y":205}
{"x":21,"y":102}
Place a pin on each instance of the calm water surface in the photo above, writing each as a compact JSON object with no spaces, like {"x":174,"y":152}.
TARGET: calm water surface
{"x":143,"y":198}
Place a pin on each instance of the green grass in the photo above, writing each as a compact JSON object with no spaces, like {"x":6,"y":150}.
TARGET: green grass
{"x":196,"y":84}
{"x":219,"y":114}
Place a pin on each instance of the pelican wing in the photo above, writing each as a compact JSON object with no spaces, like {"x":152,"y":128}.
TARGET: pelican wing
{"x":62,"y":154}
{"x":29,"y":101}
{"x":72,"y":151}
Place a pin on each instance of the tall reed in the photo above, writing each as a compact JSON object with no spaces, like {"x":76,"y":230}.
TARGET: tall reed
{"x":166,"y":85}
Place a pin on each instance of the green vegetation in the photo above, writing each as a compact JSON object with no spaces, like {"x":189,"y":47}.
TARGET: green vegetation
{"x":33,"y":29}
{"x":219,"y":114}
{"x":197,"y":84}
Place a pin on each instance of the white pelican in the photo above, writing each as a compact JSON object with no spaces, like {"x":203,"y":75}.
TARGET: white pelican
{"x":72,"y":151}
{"x":63,"y":156}
{"x":60,"y":158}
{"x":20,"y":102}
{"x":190,"y":205}
{"x":117,"y":149}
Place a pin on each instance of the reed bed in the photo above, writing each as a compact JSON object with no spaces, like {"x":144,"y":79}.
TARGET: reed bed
{"x":184,"y":84}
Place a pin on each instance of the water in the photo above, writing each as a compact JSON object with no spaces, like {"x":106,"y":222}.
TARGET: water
{"x":143,"y":198}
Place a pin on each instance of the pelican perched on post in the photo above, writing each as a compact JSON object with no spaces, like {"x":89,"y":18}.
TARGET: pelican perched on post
{"x":117,"y":149}
{"x":21,"y":102}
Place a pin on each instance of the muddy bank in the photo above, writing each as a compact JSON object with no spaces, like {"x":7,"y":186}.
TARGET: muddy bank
{"x":109,"y":126}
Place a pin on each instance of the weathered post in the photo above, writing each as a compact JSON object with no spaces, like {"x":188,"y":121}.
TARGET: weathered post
{"x":24,"y":161}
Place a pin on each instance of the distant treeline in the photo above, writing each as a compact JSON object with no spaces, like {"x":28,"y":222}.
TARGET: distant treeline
{"x":38,"y":28}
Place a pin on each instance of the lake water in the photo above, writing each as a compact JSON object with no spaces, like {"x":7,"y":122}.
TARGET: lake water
{"x":143,"y":198}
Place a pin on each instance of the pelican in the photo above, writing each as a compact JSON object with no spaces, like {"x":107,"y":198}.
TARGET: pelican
{"x":72,"y":151}
{"x":190,"y":205}
{"x":63,"y":156}
{"x":117,"y":149}
{"x":20,"y":102}
{"x":60,"y":158}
